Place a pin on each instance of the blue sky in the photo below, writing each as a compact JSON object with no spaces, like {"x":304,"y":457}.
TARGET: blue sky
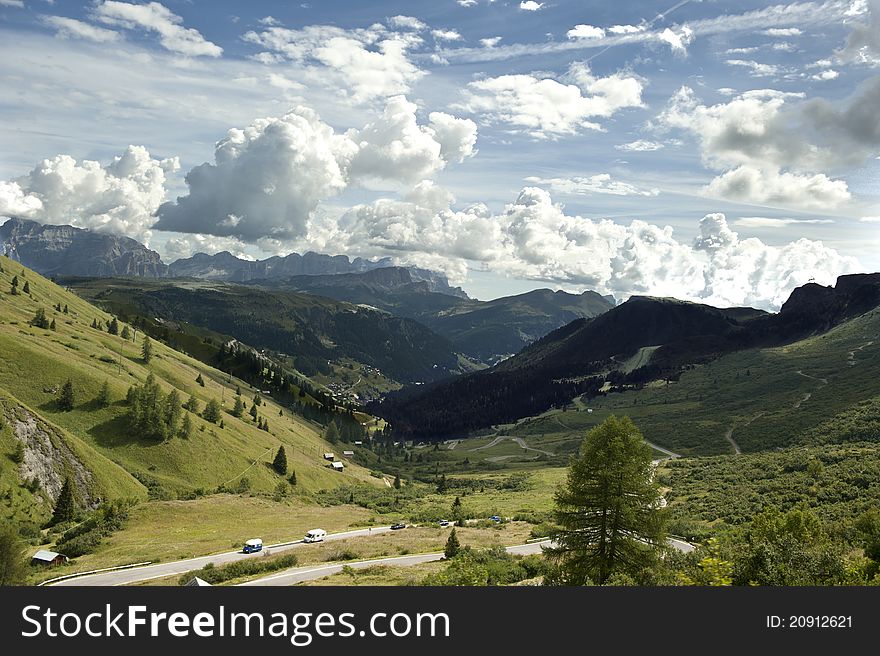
{"x":717,"y":151}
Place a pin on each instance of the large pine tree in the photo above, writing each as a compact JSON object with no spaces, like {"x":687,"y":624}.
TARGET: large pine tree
{"x":280,"y":462}
{"x":65,"y":506}
{"x":607,"y":508}
{"x":66,"y":400}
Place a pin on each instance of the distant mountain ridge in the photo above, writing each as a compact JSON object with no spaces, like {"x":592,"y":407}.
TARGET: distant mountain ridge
{"x":642,"y":340}
{"x":64,"y":250}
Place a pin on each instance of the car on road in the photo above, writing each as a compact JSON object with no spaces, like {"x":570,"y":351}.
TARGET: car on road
{"x":252,"y":546}
{"x":315,"y":535}
{"x":444,"y":522}
{"x":495,"y":518}
{"x":397,"y":527}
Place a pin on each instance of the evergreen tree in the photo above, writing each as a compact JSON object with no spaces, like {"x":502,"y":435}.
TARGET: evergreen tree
{"x":212,"y":411}
{"x":66,"y":400}
{"x":266,"y":425}
{"x":238,"y":408}
{"x":40,"y":320}
{"x":66,"y":310}
{"x":452,"y":545}
{"x":280,"y":462}
{"x":200,"y":380}
{"x":237,"y":390}
{"x":65,"y":505}
{"x":607,"y":508}
{"x":441,"y":484}
{"x":186,"y":427}
{"x":52,"y":325}
{"x":173,"y":410}
{"x":147,"y":350}
{"x":27,"y":287}
{"x":331,"y":434}
{"x":397,"y":482}
{"x":292,"y":478}
{"x":13,"y":567}
{"x":253,"y":412}
{"x":103,"y":398}
{"x":126,"y":333}
{"x":113,"y":327}
{"x":94,"y":323}
{"x":193,"y":404}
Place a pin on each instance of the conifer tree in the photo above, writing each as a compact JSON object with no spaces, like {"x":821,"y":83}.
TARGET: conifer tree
{"x":607,"y":508}
{"x":126,"y":333}
{"x":113,"y":327}
{"x":27,"y":287}
{"x":103,"y":398}
{"x":200,"y":380}
{"x":186,"y":427}
{"x":65,"y":505}
{"x":66,"y":310}
{"x":453,"y":546}
{"x":40,"y":320}
{"x":331,"y":434}
{"x":397,"y":482}
{"x":147,"y":349}
{"x":212,"y":411}
{"x":52,"y":325}
{"x":292,"y":478}
{"x":280,"y":462}
{"x":66,"y":400}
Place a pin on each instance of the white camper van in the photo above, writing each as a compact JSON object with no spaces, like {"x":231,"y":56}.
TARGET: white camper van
{"x":252,"y":546}
{"x":315,"y":535}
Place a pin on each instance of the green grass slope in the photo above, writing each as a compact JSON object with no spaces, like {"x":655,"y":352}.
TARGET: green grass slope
{"x":34,"y":364}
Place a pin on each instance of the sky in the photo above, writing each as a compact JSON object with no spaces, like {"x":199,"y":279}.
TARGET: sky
{"x":720,"y":152}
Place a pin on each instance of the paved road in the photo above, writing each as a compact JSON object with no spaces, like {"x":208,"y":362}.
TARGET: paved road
{"x":300,"y":574}
{"x":160,"y":570}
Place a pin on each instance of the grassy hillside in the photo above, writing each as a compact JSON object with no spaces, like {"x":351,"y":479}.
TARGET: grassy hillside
{"x":806,"y":392}
{"x":35,"y":363}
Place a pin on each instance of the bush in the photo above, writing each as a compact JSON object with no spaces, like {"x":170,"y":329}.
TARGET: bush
{"x":247,"y":567}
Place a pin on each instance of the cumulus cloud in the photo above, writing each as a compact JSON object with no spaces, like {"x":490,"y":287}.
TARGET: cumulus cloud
{"x":547,"y":108}
{"x":268,"y":179}
{"x":363,"y":64}
{"x":601,"y":183}
{"x":585,"y":32}
{"x":155,"y":17}
{"x":490,"y":42}
{"x":119,"y":198}
{"x":67,"y":28}
{"x":753,"y":185}
{"x":446,"y":35}
{"x":531,"y":5}
{"x":829,"y":74}
{"x":19,"y":4}
{"x":407,"y":23}
{"x":534,"y":238}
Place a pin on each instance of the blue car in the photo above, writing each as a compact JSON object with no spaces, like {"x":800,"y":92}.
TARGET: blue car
{"x":495,"y":518}
{"x":252,"y":546}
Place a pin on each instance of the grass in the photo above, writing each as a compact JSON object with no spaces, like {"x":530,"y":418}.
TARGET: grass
{"x":35,"y":362}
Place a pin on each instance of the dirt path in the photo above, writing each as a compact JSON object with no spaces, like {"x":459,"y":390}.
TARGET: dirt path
{"x":520,"y":441}
{"x":851,"y":356}
{"x":807,"y":395}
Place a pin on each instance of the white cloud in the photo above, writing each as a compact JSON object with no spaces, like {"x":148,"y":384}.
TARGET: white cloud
{"x":585,"y":32}
{"x":269,"y":21}
{"x":15,"y":202}
{"x":601,"y":183}
{"x":626,"y":29}
{"x":753,"y":185}
{"x":870,"y":219}
{"x":72,"y":28}
{"x":119,"y":198}
{"x":155,"y":17}
{"x":546,"y":108}
{"x":757,"y":69}
{"x":863,"y":44}
{"x":490,"y":42}
{"x":533,"y":238}
{"x":768,"y":222}
{"x":782,"y":31}
{"x":12,"y":3}
{"x":531,"y":5}
{"x":363,"y":64}
{"x":467,"y":3}
{"x":829,"y":74}
{"x":677,"y":39}
{"x":446,"y":35}
{"x":407,"y":23}
{"x":267,"y":180}
{"x":640,"y":146}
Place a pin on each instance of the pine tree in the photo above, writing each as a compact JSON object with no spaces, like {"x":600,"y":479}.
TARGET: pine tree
{"x":27,"y":287}
{"x":103,"y":398}
{"x":266,"y":425}
{"x":200,"y":380}
{"x":66,"y":401}
{"x":126,"y":333}
{"x":14,"y":287}
{"x":193,"y":404}
{"x":66,"y":310}
{"x":441,"y":484}
{"x":453,"y":546}
{"x":212,"y":411}
{"x":13,"y":566}
{"x":292,"y":478}
{"x":397,"y":482}
{"x":65,"y":505}
{"x":253,"y":412}
{"x":94,"y":323}
{"x":280,"y":462}
{"x":332,"y":432}
{"x":147,"y":350}
{"x":238,"y":408}
{"x":113,"y":327}
{"x":186,"y":427}
{"x":52,"y":325}
{"x":607,"y":508}
{"x":40,"y":320}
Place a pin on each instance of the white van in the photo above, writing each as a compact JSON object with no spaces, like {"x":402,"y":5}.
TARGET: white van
{"x":315,"y":535}
{"x":252,"y":546}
